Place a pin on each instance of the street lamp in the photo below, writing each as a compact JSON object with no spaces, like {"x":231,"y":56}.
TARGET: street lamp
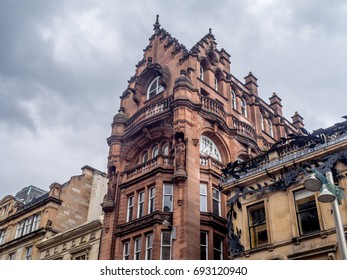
{"x":328,"y":193}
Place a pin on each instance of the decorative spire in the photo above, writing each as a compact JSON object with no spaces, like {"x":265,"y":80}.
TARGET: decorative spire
{"x":210,"y":31}
{"x":156,"y":25}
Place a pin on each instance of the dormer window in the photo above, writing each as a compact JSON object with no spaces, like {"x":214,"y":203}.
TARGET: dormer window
{"x":216,"y":83}
{"x":201,"y":73}
{"x":271,"y":130}
{"x":155,"y":151}
{"x":154,"y":88}
{"x":233,"y":99}
{"x":243,"y":107}
{"x":165,"y":149}
{"x":145,"y":157}
{"x":261,"y":117}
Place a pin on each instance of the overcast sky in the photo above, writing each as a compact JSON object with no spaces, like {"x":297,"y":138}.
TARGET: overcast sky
{"x":64,"y":64}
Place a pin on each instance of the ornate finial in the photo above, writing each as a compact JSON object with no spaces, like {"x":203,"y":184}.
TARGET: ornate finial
{"x":156,"y":25}
{"x":210,"y":31}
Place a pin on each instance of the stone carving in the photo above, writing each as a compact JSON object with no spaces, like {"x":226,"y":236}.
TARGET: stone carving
{"x":180,"y":155}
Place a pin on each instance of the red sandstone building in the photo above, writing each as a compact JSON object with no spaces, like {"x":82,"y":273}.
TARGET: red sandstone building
{"x":183,"y":117}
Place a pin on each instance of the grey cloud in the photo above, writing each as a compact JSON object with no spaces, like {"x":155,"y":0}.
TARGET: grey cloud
{"x":64,"y":65}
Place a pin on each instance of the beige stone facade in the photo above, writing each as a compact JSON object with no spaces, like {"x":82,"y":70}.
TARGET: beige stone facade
{"x":272,"y":215}
{"x":25,"y":223}
{"x":183,"y":117}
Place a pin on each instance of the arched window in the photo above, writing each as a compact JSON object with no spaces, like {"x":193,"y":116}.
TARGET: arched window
{"x":271,"y":130}
{"x":243,"y":107}
{"x":154,"y":88}
{"x":201,"y":72}
{"x":145,"y":157}
{"x":165,"y":149}
{"x":261,"y":118}
{"x":208,"y":147}
{"x":215,"y":83}
{"x":155,"y":151}
{"x":233,"y":99}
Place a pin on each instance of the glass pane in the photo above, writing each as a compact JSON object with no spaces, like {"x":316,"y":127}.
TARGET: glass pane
{"x":215,"y":193}
{"x":165,"y":253}
{"x":258,"y":235}
{"x":166,"y":149}
{"x":217,"y":242}
{"x":149,"y":240}
{"x":203,"y":188}
{"x":258,"y":216}
{"x":203,"y":253}
{"x":217,"y":255}
{"x":203,"y":206}
{"x":149,"y":254}
{"x":152,"y":192}
{"x":309,"y":221}
{"x":167,"y":207}
{"x":307,"y":212}
{"x":203,"y":238}
{"x":215,"y":207}
{"x":167,"y":189}
{"x":166,"y":238}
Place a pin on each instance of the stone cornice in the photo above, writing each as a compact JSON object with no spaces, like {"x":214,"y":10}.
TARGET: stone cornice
{"x":156,"y":217}
{"x":70,"y":234}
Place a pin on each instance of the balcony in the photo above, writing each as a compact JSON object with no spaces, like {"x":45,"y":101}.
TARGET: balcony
{"x":160,"y":161}
{"x":148,"y":112}
{"x":207,"y":162}
{"x":212,"y":106}
{"x":244,"y":129}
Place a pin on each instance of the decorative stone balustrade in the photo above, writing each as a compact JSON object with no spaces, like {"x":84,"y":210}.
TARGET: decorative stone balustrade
{"x":211,"y":163}
{"x":244,"y":129}
{"x":149,"y":165}
{"x":212,"y":106}
{"x":149,"y":111}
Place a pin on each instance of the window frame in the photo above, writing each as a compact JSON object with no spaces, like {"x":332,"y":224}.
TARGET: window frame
{"x":140,"y":204}
{"x":270,"y":127}
{"x":130,"y":208}
{"x":167,"y":195}
{"x":151,"y":199}
{"x":204,"y":246}
{"x":215,"y":249}
{"x":216,"y":200}
{"x":126,"y":250}
{"x":233,"y":100}
{"x":3,"y":210}
{"x":11,"y":256}
{"x":203,"y":197}
{"x":155,"y":151}
{"x":201,"y":76}
{"x":209,"y":148}
{"x":298,"y":212}
{"x":162,"y":246}
{"x":28,"y":252}
{"x":137,"y":248}
{"x":165,"y":149}
{"x":145,"y":157}
{"x":158,"y":88}
{"x":149,"y":246}
{"x":259,"y":227}
{"x":244,"y":107}
{"x":261,"y":118}
{"x":2,"y":235}
{"x":28,"y":225}
{"x":216,"y":87}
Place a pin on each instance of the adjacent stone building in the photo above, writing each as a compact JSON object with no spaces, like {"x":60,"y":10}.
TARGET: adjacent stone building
{"x":271,"y":214}
{"x":182,"y":118}
{"x":30,"y":219}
